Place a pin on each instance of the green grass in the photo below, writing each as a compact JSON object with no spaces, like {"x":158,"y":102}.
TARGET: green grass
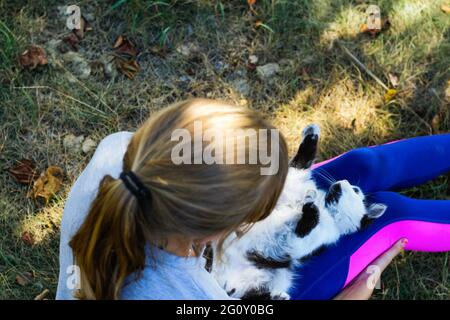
{"x":317,"y":83}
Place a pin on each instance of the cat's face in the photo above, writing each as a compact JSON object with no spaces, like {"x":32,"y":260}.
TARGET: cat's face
{"x":343,"y":196}
{"x":347,"y":202}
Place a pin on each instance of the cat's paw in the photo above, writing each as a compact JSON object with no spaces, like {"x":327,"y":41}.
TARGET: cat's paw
{"x":311,"y":130}
{"x":308,"y":220}
{"x":280,"y":296}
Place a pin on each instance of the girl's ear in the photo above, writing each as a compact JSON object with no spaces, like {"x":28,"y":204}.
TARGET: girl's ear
{"x":376,"y":210}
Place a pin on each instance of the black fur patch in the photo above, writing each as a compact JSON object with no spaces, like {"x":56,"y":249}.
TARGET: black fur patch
{"x":262,"y":262}
{"x":208,"y":255}
{"x":231,"y":292}
{"x":308,"y":221}
{"x":261,"y":293}
{"x":366,"y":221}
{"x":306,"y":152}
{"x":334,"y":194}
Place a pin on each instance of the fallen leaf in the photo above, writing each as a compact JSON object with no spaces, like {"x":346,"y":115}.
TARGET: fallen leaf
{"x":445,"y":8}
{"x":159,"y":51}
{"x":251,"y":2}
{"x":48,"y":184}
{"x":32,"y":57}
{"x":127,"y":67}
{"x":385,"y":23}
{"x":258,"y":23}
{"x":124,"y":46}
{"x":24,"y":172}
{"x":393,"y":78}
{"x":389,"y":95}
{"x":23,"y":279}
{"x":42,"y":295}
{"x":72,"y":40}
{"x":85,"y":26}
{"x":28,"y":238}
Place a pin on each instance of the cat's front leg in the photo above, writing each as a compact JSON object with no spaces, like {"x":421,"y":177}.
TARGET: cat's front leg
{"x":307,"y":150}
{"x":313,"y":230}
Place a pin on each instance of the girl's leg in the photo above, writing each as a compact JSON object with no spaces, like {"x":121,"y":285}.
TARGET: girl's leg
{"x":391,"y":166}
{"x":425,"y":223}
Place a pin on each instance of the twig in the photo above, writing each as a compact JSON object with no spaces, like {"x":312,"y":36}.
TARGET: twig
{"x":101,"y":113}
{"x":42,"y":295}
{"x":84,"y":86}
{"x":362,"y":66}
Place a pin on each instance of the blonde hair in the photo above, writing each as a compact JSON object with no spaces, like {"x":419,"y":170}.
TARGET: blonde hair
{"x":196,"y":201}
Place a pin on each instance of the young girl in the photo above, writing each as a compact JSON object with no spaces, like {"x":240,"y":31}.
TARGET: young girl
{"x":135,"y":223}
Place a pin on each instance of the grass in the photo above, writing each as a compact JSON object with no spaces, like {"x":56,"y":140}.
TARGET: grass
{"x":317,"y":83}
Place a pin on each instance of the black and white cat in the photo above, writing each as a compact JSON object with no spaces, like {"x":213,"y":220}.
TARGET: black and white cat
{"x":259,"y":264}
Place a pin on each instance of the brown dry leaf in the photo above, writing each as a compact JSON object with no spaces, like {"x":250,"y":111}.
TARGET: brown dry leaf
{"x":385,"y":23}
{"x":24,"y":172}
{"x":72,"y":40}
{"x":25,"y":278}
{"x":128,"y":67}
{"x":28,"y":238}
{"x":159,"y":51}
{"x":48,"y":184}
{"x":32,"y":57}
{"x":85,"y":26}
{"x":258,"y":23}
{"x":124,"y":46}
{"x":42,"y":295}
{"x":445,"y":8}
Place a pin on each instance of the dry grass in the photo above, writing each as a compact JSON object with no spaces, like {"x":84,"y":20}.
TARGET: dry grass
{"x":317,"y":83}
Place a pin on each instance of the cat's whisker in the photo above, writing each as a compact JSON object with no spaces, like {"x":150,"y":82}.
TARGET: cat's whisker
{"x":326,"y":175}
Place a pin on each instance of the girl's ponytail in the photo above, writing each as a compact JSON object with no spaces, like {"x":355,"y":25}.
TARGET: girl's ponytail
{"x":109,"y":245}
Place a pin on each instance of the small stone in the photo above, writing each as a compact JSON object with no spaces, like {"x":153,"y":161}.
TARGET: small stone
{"x":267,"y":71}
{"x":184,"y":79}
{"x":73,"y":143}
{"x":188,"y":49}
{"x":221,"y":66}
{"x":109,"y":66}
{"x":88,"y":145}
{"x":241,"y":86}
{"x":78,"y":64}
{"x":253,"y":59}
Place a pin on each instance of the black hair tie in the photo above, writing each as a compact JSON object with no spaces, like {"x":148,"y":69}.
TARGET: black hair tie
{"x":135,"y":186}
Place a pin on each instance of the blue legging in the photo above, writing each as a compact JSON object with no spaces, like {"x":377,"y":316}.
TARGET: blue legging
{"x":377,"y":170}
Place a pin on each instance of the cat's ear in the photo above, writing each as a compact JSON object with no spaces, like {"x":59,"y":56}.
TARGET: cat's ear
{"x":376,"y":210}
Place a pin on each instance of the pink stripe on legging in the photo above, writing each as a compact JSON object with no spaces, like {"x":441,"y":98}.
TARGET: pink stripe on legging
{"x":316,"y":165}
{"x":421,"y":235}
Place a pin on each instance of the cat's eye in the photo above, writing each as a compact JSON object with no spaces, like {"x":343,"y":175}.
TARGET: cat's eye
{"x":356,"y":190}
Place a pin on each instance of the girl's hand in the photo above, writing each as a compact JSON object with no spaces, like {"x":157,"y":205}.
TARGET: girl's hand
{"x":361,"y":288}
